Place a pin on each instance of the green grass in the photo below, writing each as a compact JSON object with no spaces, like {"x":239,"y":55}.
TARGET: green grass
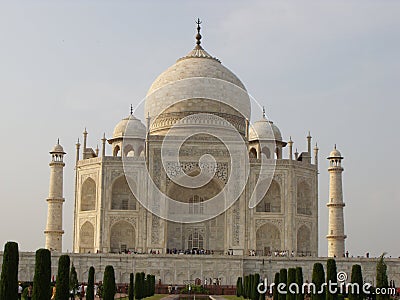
{"x":155,"y":297}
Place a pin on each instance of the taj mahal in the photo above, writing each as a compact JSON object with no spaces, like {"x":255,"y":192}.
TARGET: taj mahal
{"x":201,"y":106}
{"x":197,"y":176}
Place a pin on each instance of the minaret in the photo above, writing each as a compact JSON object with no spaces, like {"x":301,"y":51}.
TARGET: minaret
{"x":336,"y":234}
{"x":55,"y":200}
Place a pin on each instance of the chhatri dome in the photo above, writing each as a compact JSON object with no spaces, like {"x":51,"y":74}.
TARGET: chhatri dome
{"x":197,"y":82}
{"x":265,"y":130}
{"x":335,"y":153}
{"x":135,"y":129}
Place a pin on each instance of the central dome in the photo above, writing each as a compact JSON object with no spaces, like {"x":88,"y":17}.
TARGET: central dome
{"x":197,"y":63}
{"x":197,"y":83}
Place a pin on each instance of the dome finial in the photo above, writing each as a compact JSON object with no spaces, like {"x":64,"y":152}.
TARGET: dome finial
{"x":131,"y":109}
{"x":263,"y":113}
{"x":198,"y":35}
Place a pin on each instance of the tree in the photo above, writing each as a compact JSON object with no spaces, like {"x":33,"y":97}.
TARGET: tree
{"x":131,"y":288}
{"x":90,"y":285}
{"x":256,"y":294}
{"x":109,"y":283}
{"x":42,"y":277}
{"x":318,"y":278}
{"x":9,"y":272}
{"x":381,"y":278}
{"x":143,"y":282}
{"x":239,"y":287}
{"x":291,"y":279}
{"x":282,"y":280}
{"x":299,"y":281}
{"x":73,"y":279}
{"x":356,"y":277}
{"x":275,"y":294}
{"x":331,"y":276}
{"x":153,"y":284}
{"x":62,"y":282}
{"x":250,"y":286}
{"x":148,"y":285}
{"x":138,"y":286}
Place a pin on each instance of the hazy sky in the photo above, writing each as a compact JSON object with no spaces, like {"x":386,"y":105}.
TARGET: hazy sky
{"x":331,"y":67}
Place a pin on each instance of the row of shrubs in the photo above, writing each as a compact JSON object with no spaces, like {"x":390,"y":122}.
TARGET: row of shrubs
{"x":247,"y":287}
{"x":140,"y":286}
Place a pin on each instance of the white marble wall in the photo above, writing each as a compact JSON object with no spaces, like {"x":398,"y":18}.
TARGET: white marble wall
{"x":174,"y":269}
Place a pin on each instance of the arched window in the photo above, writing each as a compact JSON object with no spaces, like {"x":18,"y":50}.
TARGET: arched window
{"x":253,"y":153}
{"x":86,"y":238}
{"x":116,"y":150}
{"x":88,"y":195}
{"x":196,"y":205}
{"x":278,"y":153}
{"x":141,"y":151}
{"x":122,"y":197}
{"x":128,"y":151}
{"x":195,"y":240}
{"x":266,"y":152}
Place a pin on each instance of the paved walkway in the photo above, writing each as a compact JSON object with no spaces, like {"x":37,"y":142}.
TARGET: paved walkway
{"x":170,"y":297}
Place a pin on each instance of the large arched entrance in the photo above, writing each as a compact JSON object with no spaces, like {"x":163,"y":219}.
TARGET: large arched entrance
{"x":122,"y":237}
{"x":207,"y":235}
{"x":268,"y":239}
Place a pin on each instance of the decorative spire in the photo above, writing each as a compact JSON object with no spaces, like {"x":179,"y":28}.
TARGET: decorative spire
{"x":263,"y":113}
{"x":198,"y":35}
{"x":335,"y":146}
{"x":309,"y":143}
{"x":290,"y":148}
{"x":131,"y":109}
{"x":58,"y":141}
{"x":103,"y":145}
{"x":198,"y":51}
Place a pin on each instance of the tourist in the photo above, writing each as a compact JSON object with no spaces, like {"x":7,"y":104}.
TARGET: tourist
{"x":29,"y":292}
{"x":53,"y":293}
{"x":19,"y":291}
{"x":71,"y":294}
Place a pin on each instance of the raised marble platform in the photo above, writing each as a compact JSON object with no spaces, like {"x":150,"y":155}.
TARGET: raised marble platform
{"x":177,"y":269}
